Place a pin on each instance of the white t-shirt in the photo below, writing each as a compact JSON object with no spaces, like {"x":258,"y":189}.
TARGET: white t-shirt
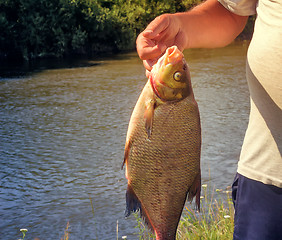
{"x":260,"y":157}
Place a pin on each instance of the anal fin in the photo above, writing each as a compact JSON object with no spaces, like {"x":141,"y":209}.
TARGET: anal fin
{"x":133,"y":205}
{"x":132,"y":202}
{"x":195,"y":190}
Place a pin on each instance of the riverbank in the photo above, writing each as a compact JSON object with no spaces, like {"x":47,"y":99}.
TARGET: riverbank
{"x":66,"y":28}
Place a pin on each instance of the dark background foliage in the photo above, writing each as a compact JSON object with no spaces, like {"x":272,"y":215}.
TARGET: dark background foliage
{"x":58,"y":28}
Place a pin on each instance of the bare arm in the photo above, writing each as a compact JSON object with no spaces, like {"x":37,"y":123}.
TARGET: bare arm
{"x":208,"y":25}
{"x":213,"y":25}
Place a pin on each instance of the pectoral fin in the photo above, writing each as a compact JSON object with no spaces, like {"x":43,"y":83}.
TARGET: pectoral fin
{"x":149,"y":115}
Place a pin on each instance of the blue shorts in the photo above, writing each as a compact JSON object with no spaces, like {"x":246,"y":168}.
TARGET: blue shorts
{"x":258,"y":210}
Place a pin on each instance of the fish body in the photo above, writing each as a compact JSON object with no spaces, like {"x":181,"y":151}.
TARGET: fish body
{"x":163,"y":144}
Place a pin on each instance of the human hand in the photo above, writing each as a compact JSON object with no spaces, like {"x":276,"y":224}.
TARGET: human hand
{"x":163,"y":32}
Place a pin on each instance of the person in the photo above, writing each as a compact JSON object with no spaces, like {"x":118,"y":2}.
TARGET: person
{"x":257,"y":188}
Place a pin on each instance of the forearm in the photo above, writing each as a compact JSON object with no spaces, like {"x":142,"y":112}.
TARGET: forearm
{"x":210,"y":25}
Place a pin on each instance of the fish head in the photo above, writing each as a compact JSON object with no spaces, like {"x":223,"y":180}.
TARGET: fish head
{"x":170,"y":77}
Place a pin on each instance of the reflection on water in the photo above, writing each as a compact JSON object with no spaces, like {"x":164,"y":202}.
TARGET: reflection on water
{"x":62,"y":136}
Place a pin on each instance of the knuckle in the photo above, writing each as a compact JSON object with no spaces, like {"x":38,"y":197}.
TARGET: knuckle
{"x":164,"y":17}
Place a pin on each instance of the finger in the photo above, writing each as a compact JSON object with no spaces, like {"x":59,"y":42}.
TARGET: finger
{"x":153,"y":52}
{"x":148,"y":49}
{"x":148,"y":64}
{"x":158,"y":25}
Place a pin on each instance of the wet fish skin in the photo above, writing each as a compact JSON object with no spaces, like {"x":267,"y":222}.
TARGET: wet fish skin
{"x":162,"y":152}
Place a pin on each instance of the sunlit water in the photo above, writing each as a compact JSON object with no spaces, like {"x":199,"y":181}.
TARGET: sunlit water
{"x":62,"y":134}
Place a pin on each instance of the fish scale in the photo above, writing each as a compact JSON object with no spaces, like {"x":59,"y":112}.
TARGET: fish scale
{"x":164,"y":165}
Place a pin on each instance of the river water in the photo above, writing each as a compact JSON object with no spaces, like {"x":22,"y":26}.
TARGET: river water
{"x":62,"y":134}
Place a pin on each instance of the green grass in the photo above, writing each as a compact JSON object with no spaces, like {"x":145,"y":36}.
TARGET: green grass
{"x":214,"y":222}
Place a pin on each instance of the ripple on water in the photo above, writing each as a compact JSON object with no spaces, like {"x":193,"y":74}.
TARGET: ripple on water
{"x":62,"y":136}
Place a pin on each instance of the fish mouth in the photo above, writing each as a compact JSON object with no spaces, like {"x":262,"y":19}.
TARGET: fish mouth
{"x":172,"y":56}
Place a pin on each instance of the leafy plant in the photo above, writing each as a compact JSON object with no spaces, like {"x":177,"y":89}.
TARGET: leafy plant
{"x":58,"y":28}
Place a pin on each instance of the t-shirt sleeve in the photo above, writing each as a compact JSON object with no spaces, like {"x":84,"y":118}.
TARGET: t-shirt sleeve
{"x":240,"y":7}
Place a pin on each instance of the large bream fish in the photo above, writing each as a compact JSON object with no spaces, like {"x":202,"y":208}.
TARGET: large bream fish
{"x":163,"y":144}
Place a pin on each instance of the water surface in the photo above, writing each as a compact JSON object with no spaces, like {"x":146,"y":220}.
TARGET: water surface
{"x":62,"y":133}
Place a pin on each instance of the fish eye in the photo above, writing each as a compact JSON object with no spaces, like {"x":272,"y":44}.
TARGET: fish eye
{"x":177,"y":76}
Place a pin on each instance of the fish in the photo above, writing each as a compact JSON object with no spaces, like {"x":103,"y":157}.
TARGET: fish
{"x":163,"y":147}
